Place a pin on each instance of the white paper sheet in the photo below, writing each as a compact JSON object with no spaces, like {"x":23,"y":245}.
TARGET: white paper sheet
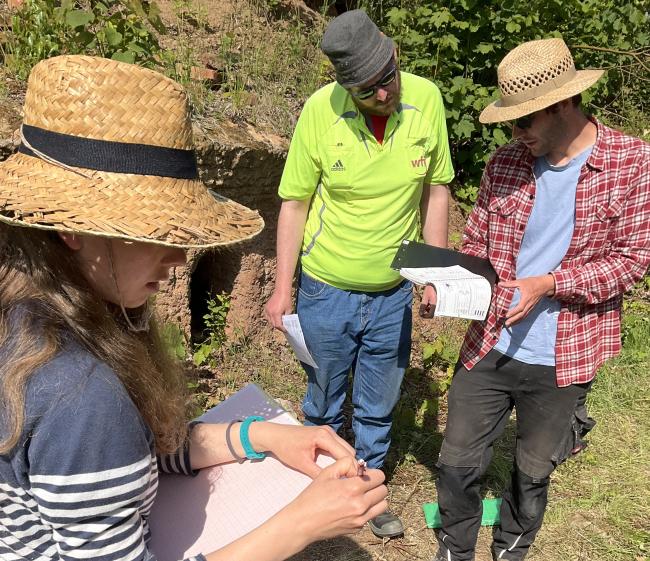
{"x":297,"y":339}
{"x":201,"y":514}
{"x":460,"y":293}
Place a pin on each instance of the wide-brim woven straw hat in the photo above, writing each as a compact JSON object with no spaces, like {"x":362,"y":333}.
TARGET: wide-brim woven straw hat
{"x":534,"y":76}
{"x":107,"y":150}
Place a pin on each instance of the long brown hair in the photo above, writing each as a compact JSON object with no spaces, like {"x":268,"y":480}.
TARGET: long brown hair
{"x":43,"y":300}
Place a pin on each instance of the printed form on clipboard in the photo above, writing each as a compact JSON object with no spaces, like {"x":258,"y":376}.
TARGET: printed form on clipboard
{"x":463,"y":283}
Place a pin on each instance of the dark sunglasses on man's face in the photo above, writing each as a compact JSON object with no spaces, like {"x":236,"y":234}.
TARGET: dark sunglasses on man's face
{"x":384,"y":81}
{"x":524,"y":122}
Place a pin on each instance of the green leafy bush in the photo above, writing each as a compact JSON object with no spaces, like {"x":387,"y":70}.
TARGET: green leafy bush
{"x":118,"y":29}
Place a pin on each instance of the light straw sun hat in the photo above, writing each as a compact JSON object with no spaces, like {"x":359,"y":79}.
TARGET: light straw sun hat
{"x":107,"y":150}
{"x":534,"y":76}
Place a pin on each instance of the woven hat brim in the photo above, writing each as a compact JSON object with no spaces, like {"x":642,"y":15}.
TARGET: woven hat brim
{"x":497,"y":112}
{"x":160,"y":210}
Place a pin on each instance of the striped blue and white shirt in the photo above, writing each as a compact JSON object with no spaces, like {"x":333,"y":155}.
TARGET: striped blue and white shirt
{"x":82,"y":480}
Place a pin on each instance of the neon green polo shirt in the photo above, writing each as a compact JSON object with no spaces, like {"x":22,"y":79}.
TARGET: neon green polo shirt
{"x":365,"y":196}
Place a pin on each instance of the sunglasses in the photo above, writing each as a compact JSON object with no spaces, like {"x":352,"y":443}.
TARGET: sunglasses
{"x":524,"y":122}
{"x":384,"y":81}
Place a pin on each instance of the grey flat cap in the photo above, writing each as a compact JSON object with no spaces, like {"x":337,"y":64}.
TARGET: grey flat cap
{"x":356,"y":48}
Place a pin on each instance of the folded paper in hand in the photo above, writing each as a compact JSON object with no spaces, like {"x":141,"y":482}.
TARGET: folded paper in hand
{"x":297,"y":340}
{"x":201,"y":514}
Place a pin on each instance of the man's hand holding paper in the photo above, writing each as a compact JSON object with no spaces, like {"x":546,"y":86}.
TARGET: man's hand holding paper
{"x":428,"y":302}
{"x":459,"y":292}
{"x":456,"y":284}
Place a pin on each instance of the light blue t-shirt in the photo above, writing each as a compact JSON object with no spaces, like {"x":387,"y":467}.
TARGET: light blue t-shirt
{"x":544,"y":245}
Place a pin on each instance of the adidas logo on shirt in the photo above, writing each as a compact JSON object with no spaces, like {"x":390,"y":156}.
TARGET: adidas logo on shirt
{"x":338,"y":166}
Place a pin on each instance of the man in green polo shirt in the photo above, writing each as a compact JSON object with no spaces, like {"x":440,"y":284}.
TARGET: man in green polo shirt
{"x":367,"y":167}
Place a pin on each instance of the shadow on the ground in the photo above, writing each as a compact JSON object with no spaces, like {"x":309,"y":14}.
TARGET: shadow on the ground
{"x":341,"y":549}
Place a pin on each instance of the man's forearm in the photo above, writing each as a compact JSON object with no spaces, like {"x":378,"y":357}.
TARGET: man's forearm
{"x":291,"y":228}
{"x":434,"y":210}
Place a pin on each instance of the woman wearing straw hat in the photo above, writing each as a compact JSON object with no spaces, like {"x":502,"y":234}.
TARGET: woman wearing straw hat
{"x":97,"y":206}
{"x":563,"y":215}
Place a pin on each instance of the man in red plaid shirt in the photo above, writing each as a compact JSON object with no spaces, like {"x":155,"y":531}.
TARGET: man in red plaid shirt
{"x":563,"y":215}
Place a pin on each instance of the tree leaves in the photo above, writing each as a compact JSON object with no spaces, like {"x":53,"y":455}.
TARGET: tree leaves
{"x":79,"y":18}
{"x":499,"y":137}
{"x":484,"y":48}
{"x":464,"y":128}
{"x":113,"y":36}
{"x":117,"y":29}
{"x":124,"y":56}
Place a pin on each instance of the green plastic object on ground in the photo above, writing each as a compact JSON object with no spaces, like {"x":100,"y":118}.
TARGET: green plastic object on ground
{"x":490,"y":513}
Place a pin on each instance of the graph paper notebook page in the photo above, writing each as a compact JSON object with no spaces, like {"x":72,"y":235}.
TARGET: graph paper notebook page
{"x":201,"y":514}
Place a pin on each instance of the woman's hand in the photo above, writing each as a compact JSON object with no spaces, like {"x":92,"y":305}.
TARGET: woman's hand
{"x":297,"y":446}
{"x":338,"y":501}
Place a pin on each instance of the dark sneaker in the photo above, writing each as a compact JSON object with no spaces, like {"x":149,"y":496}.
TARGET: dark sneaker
{"x":386,"y":525}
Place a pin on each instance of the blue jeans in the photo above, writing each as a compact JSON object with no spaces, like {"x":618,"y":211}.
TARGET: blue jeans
{"x":368,"y":333}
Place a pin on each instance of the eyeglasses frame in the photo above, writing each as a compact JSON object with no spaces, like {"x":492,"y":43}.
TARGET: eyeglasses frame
{"x":524,"y":122}
{"x":384,"y":81}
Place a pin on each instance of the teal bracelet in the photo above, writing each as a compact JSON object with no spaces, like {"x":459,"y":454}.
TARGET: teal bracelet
{"x":245,"y":441}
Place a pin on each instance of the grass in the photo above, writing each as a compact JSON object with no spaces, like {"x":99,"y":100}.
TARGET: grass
{"x":268,"y":61}
{"x":603,"y":496}
{"x":271,"y":66}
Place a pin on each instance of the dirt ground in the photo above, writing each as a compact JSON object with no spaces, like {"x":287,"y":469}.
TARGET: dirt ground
{"x":596,"y":508}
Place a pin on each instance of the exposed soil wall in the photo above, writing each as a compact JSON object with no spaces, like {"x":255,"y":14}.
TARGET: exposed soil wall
{"x":244,"y":165}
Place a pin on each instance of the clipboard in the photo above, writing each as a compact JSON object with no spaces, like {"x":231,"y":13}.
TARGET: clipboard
{"x":416,"y":254}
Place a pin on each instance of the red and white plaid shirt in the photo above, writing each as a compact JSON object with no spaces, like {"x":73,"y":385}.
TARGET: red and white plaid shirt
{"x":609,"y":251}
